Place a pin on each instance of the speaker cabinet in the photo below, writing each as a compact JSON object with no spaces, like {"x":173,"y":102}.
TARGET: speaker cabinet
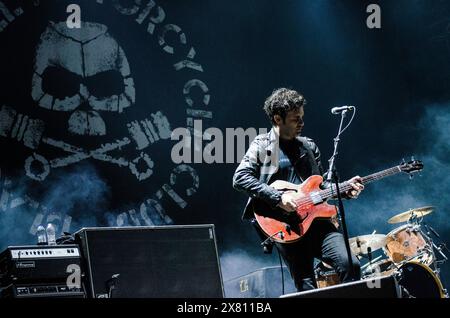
{"x":151,"y":262}
{"x":379,"y":287}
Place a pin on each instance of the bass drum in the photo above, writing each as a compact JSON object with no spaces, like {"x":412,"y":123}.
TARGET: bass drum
{"x":419,"y":281}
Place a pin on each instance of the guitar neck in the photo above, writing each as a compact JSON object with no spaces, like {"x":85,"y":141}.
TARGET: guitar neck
{"x":345,"y":186}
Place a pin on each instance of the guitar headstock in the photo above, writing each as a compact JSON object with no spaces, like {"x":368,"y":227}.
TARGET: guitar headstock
{"x":411,"y":166}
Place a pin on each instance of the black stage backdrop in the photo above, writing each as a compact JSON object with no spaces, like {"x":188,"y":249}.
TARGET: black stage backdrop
{"x":86,"y":117}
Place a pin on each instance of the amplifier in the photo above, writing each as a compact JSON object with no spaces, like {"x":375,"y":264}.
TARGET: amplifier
{"x":38,"y":263}
{"x":41,"y":290}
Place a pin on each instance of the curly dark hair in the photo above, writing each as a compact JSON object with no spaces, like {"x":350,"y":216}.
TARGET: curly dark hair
{"x":281,"y":101}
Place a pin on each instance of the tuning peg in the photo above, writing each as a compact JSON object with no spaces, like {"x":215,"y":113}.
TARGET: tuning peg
{"x":412,"y":158}
{"x":411,"y":176}
{"x":403,"y":161}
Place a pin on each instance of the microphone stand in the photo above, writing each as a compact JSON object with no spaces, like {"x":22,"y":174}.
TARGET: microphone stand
{"x":343,"y":223}
{"x":332,"y":177}
{"x":267,"y":244}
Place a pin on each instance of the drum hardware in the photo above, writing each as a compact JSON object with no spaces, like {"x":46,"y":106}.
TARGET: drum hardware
{"x":405,"y":292}
{"x":429,"y":228}
{"x":364,"y":243}
{"x":379,"y":267}
{"x":441,"y":244}
{"x":369,"y":254}
{"x":423,"y":257}
{"x":368,"y":263}
{"x":435,"y":264}
{"x":439,"y":249}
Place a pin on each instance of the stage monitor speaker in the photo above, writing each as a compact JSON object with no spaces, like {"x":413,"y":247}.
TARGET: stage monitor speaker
{"x":151,"y":262}
{"x":265,"y":282}
{"x":379,"y":287}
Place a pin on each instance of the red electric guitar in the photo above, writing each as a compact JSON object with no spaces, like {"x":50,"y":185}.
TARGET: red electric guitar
{"x":288,"y":227}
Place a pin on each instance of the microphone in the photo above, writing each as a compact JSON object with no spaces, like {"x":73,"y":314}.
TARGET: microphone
{"x":338,"y":110}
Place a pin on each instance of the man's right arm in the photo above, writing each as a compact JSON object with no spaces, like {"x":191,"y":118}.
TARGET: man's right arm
{"x":246,"y":176}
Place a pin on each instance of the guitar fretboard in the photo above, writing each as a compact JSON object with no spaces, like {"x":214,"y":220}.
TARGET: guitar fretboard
{"x":345,"y":186}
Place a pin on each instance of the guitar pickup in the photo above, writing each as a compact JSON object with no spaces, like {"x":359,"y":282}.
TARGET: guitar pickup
{"x":315,"y":198}
{"x":287,"y":189}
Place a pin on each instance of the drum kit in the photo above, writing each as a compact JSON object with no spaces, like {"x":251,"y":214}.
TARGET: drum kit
{"x":409,"y":253}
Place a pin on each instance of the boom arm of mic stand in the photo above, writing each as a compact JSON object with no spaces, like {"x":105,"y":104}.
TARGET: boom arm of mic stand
{"x":335,"y":152}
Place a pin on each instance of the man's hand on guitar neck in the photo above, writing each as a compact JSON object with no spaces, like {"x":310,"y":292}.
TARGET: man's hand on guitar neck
{"x":356,"y":183}
{"x":287,"y":202}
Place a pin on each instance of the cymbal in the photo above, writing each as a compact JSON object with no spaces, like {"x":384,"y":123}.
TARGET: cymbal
{"x":405,"y":216}
{"x":360,"y":244}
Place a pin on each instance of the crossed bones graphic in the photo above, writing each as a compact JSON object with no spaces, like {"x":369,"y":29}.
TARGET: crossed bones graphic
{"x":30,"y":131}
{"x":78,"y":154}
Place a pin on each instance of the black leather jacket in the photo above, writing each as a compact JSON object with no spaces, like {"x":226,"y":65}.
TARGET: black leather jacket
{"x":260,"y":163}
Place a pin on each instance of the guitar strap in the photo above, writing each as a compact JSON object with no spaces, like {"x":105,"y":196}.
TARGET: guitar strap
{"x":305,"y":165}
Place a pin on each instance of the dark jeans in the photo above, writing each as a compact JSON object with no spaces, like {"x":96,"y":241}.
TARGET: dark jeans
{"x":324,"y":242}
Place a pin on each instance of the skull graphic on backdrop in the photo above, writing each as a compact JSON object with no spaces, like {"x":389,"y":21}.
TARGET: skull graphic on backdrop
{"x":83,"y":71}
{"x":82,"y":89}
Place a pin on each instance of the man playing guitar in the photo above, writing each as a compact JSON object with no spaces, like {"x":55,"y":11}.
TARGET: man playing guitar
{"x":282,"y":154}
